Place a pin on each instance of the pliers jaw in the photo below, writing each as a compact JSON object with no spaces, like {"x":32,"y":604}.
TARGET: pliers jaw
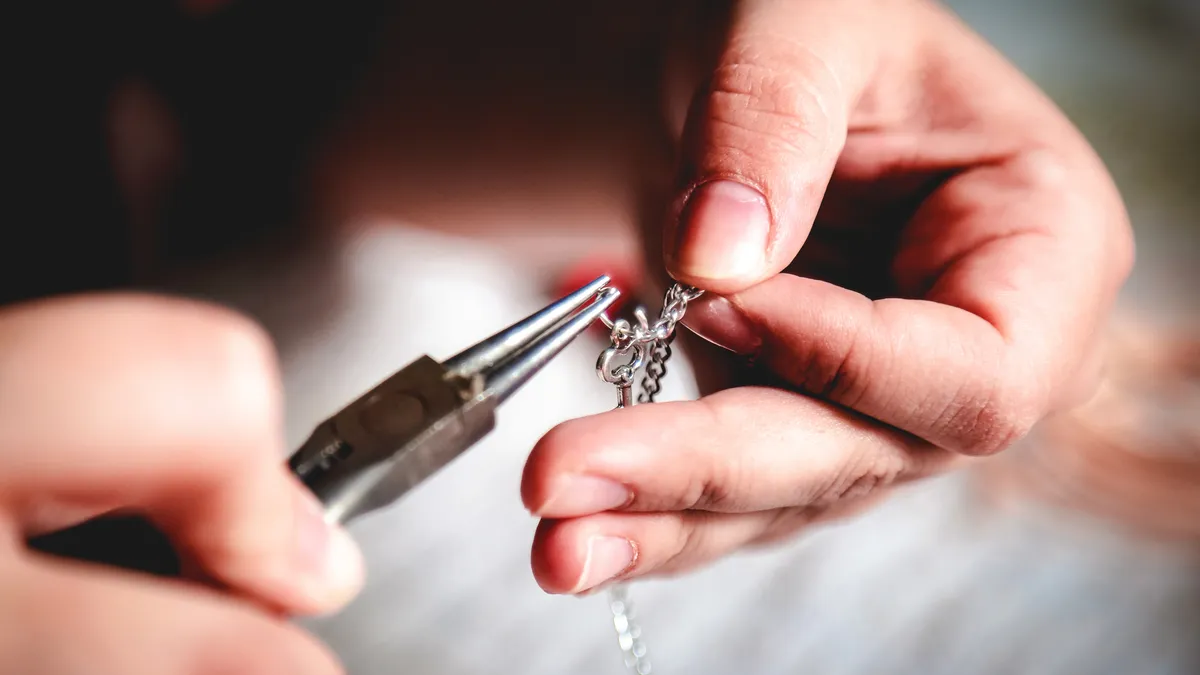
{"x":504,"y":362}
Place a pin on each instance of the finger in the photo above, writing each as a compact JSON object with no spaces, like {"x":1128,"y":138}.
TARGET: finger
{"x":763,"y":136}
{"x":576,"y":555}
{"x":1016,"y":255}
{"x":788,"y":525}
{"x":1016,"y":281}
{"x":737,"y":451}
{"x":172,"y":409}
{"x":116,"y":623}
{"x":581,"y":554}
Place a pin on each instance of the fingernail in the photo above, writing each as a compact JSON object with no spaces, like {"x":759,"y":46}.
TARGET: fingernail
{"x":327,"y":559}
{"x":606,"y":558}
{"x":723,"y":230}
{"x":720,"y":322}
{"x":582,"y":495}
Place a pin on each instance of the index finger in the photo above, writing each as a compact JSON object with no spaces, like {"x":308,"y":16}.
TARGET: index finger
{"x":1018,"y":281}
{"x":736,"y":451}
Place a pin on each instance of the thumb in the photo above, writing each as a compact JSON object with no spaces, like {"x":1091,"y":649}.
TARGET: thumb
{"x":762,"y":138}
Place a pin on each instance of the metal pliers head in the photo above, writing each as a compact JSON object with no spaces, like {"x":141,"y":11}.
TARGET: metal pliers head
{"x":418,"y":420}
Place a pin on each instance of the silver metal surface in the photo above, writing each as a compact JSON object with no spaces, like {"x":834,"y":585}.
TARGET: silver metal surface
{"x":420,"y":419}
{"x":629,"y":631}
{"x":510,"y":376}
{"x":495,"y":350}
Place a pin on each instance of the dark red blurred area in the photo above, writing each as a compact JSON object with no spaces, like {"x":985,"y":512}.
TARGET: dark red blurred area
{"x":248,"y":86}
{"x":432,"y":109}
{"x":626,"y":276}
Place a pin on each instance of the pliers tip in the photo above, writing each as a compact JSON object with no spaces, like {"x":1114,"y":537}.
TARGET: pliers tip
{"x":504,"y":362}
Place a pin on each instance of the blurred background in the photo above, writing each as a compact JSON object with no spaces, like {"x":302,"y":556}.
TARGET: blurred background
{"x":386,"y":179}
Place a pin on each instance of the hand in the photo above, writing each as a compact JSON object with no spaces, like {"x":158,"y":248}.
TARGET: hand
{"x":170,"y":409}
{"x":909,"y":241}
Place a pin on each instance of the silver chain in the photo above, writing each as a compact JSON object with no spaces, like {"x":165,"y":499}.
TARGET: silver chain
{"x":629,"y":632}
{"x":649,"y":345}
{"x":644,"y":344}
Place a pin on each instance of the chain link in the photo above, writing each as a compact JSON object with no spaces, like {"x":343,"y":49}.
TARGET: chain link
{"x":629,"y":632}
{"x":656,"y":369}
{"x":642,"y":344}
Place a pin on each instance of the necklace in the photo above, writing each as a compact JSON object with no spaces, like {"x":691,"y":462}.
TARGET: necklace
{"x":639,"y":345}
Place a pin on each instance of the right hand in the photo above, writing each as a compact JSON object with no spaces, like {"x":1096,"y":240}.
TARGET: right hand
{"x":911,"y":244}
{"x":170,"y":409}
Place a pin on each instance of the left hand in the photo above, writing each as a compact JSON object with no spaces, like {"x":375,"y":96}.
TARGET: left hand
{"x":912,"y":242}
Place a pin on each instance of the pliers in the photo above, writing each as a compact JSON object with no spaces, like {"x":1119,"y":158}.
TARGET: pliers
{"x":417,"y":421}
{"x":388,"y":441}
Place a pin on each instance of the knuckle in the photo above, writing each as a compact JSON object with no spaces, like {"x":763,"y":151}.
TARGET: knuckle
{"x":775,"y":89}
{"x":988,"y":424}
{"x":1090,"y":197}
{"x":225,"y":368}
{"x":692,"y":542}
{"x":708,"y":494}
{"x":833,"y":368}
{"x":1044,"y":170}
{"x":240,"y":343}
{"x":858,"y":479}
{"x":1082,"y":190}
{"x":831,"y":375}
{"x":716,"y":484}
{"x":785,"y":522}
{"x":243,"y":362}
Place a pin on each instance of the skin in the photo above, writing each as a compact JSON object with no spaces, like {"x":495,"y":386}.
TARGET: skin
{"x":176,"y":413}
{"x":914,"y":247}
{"x":917,"y":262}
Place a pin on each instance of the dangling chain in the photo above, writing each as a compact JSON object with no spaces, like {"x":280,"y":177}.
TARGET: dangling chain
{"x":648,"y":345}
